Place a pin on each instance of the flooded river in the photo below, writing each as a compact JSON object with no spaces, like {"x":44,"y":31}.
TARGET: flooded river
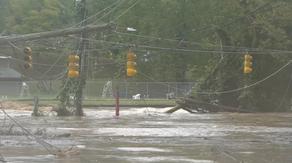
{"x":147,"y":135}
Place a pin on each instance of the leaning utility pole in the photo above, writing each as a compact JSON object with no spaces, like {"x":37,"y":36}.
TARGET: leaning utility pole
{"x":58,"y":33}
{"x":82,"y":45}
{"x":82,"y":53}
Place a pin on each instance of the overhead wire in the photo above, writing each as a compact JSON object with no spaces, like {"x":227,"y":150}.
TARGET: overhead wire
{"x":14,"y":53}
{"x":70,"y":27}
{"x":126,"y":10}
{"x":58,"y":76}
{"x":248,"y":86}
{"x":201,"y":15}
{"x":161,"y":48}
{"x":191,"y":41}
{"x":184,"y":50}
{"x":228,"y":22}
{"x":224,"y":153}
{"x":177,"y":97}
{"x":54,"y":64}
{"x":40,"y":141}
{"x":235,"y":20}
{"x":254,"y":50}
{"x":286,"y":92}
{"x":253,"y":83}
{"x":192,"y":30}
{"x":99,"y":13}
{"x":34,"y":63}
{"x":202,"y":28}
{"x":108,"y":12}
{"x":232,"y":21}
{"x":167,"y":49}
{"x":238,"y":89}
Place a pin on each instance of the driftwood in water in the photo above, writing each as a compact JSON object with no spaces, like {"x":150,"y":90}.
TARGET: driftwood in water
{"x":194,"y":106}
{"x":176,"y":108}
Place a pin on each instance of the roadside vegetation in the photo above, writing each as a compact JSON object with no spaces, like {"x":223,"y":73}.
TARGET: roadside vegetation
{"x":175,"y":40}
{"x":109,"y":102}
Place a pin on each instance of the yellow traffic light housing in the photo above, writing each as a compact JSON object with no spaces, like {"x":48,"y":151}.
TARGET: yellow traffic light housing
{"x":27,"y":58}
{"x":131,"y":68}
{"x":73,"y":66}
{"x":247,"y":63}
{"x":131,"y":56}
{"x":131,"y":64}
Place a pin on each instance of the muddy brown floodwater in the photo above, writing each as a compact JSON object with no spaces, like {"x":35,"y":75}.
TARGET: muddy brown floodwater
{"x":147,"y":135}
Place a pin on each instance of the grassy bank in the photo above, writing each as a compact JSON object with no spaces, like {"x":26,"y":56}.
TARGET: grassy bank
{"x":107,"y":102}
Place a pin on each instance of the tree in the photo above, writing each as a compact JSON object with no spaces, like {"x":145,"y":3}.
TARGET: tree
{"x":34,"y":16}
{"x":256,"y":28}
{"x":3,"y":13}
{"x":168,"y":19}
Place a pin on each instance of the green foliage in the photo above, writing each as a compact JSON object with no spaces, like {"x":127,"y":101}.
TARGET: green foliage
{"x":265,"y":29}
{"x":34,"y":16}
{"x":3,"y":13}
{"x":178,"y":40}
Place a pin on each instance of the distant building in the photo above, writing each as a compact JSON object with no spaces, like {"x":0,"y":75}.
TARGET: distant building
{"x":10,"y":80}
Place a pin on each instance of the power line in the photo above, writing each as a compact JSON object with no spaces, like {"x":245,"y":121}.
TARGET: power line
{"x":230,"y":22}
{"x":109,"y":12}
{"x":207,"y":12}
{"x":126,"y":10}
{"x":98,"y":14}
{"x":248,"y":86}
{"x":51,"y":65}
{"x":242,"y":50}
{"x":235,"y":20}
{"x":166,"y":49}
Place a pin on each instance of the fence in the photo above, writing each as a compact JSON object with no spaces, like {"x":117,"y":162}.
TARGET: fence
{"x":94,"y":90}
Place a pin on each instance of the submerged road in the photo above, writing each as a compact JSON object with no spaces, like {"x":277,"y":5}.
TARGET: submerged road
{"x":147,"y":135}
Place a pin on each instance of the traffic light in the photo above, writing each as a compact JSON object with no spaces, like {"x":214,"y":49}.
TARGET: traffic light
{"x":247,"y":64}
{"x":73,"y":66}
{"x":131,"y":64}
{"x":27,"y":58}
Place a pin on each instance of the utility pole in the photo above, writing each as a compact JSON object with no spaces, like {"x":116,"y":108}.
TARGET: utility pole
{"x":49,"y":34}
{"x":83,"y":44}
{"x":82,"y":53}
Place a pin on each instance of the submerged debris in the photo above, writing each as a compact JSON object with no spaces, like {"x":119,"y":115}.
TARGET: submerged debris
{"x":2,"y":159}
{"x":68,"y":152}
{"x":10,"y":130}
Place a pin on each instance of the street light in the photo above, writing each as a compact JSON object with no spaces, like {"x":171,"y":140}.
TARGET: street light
{"x":131,"y":29}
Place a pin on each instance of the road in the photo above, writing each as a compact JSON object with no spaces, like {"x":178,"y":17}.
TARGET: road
{"x":147,"y":135}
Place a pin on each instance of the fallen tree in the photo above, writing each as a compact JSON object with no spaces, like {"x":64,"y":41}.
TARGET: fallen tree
{"x":194,"y":106}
